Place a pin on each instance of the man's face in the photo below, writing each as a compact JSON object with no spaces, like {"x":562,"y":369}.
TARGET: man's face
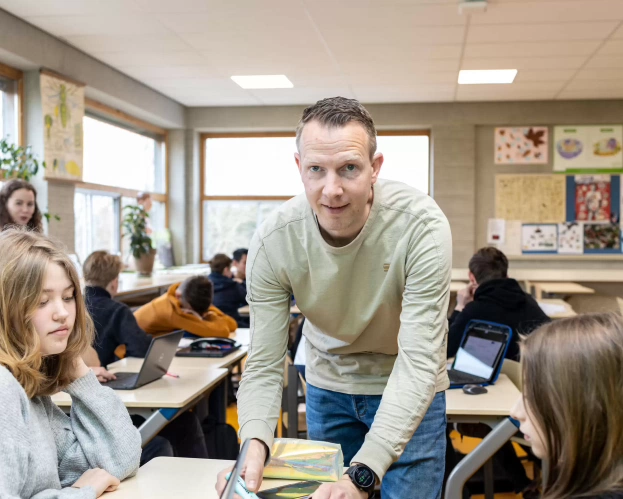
{"x":338,"y":176}
{"x":241,"y":267}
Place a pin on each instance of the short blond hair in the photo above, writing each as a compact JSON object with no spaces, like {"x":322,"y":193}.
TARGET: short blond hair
{"x":101,"y":268}
{"x":24,"y":259}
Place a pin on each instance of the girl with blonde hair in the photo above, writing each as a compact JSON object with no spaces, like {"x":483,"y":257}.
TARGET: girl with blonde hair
{"x":44,"y":329}
{"x":572,"y":405}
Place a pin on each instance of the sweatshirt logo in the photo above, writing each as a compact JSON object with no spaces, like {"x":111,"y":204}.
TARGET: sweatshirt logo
{"x":385,"y":267}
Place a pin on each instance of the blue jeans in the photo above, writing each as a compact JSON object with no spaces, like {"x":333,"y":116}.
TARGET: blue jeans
{"x":345,"y":420}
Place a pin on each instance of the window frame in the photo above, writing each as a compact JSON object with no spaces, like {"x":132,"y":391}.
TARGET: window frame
{"x":97,"y":110}
{"x":204,"y":137}
{"x":16,"y":75}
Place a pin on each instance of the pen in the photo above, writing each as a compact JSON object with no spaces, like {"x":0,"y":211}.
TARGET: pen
{"x":173,"y":375}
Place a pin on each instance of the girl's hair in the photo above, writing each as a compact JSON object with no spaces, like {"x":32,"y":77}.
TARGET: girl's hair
{"x":7,"y":190}
{"x":24,"y":258}
{"x":573,"y":389}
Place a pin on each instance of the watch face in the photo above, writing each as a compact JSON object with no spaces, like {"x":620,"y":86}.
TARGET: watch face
{"x":364,"y":477}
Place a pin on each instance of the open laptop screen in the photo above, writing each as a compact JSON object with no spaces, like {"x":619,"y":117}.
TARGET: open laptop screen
{"x":480,"y":352}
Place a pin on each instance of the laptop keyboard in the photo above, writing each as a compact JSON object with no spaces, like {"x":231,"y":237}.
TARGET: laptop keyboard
{"x":124,"y":380}
{"x":458,"y":377}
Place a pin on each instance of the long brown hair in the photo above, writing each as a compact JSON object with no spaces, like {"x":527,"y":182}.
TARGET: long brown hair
{"x":573,"y":387}
{"x":7,"y":191}
{"x":24,"y":257}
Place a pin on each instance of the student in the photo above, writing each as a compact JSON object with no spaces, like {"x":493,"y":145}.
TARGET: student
{"x":44,"y":328}
{"x":492,"y":296}
{"x":115,"y":325}
{"x":114,"y":322}
{"x":18,"y":205}
{"x":187,"y":306}
{"x":572,"y":403}
{"x":229,"y":295}
{"x":239,"y":261}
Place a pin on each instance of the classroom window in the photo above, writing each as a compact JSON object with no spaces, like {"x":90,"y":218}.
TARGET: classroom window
{"x":10,"y":88}
{"x":121,"y":160}
{"x":247,"y":177}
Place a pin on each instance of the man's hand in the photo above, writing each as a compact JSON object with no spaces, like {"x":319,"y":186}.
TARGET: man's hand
{"x":102,"y":374}
{"x":342,"y":489}
{"x":252,"y":470}
{"x":465,"y":296}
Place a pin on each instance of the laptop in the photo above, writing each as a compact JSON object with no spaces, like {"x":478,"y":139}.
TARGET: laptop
{"x":480,"y":356}
{"x":156,"y":364}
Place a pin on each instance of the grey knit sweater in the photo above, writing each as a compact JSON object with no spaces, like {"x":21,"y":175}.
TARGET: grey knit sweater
{"x":43,"y":452}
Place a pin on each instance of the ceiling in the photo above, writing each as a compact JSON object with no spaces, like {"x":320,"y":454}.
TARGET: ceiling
{"x":377,"y":51}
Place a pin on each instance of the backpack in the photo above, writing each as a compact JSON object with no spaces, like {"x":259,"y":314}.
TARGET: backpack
{"x":221,"y":439}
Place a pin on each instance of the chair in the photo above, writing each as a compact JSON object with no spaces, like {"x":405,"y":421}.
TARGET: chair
{"x":294,"y":417}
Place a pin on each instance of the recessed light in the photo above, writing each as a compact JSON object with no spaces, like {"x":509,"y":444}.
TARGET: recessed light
{"x":482,"y":76}
{"x":263,"y":81}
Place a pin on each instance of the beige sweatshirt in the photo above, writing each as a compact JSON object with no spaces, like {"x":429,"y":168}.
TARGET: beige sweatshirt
{"x":375,"y":314}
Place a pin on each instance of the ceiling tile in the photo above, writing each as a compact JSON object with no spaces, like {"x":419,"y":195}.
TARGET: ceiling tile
{"x":597,"y":86}
{"x":540,"y":32}
{"x":515,"y":91}
{"x":591,"y":94}
{"x":525,"y":63}
{"x":26,"y":8}
{"x":612,"y":47}
{"x":177,"y":6}
{"x":544,"y":75}
{"x":162,"y":71}
{"x":605,"y":61}
{"x":557,"y":11}
{"x":600,"y":74}
{"x":530,"y":49}
{"x":411,"y":93}
{"x":151,"y":58}
{"x":302,"y":96}
{"x":108,"y":24}
{"x":119,"y":43}
{"x":618,"y":34}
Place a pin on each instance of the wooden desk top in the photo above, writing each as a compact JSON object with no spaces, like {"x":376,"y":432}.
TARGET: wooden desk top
{"x":456,"y":286}
{"x":167,"y":477}
{"x":563,"y":288}
{"x":246,"y":310}
{"x":498,"y":401}
{"x":556,"y":275}
{"x":167,"y":392}
{"x":556,"y":308}
{"x":130,"y":283}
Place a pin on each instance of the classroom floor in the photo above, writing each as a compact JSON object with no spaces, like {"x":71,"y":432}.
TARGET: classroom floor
{"x":464,"y":445}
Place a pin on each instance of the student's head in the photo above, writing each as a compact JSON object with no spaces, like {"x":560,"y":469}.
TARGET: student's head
{"x":18,"y":205}
{"x":487,"y":264}
{"x":221,"y":264}
{"x":572,"y":405}
{"x":102,"y":269}
{"x":240,"y":262}
{"x":43,"y":323}
{"x":338,"y":164}
{"x":195,"y":293}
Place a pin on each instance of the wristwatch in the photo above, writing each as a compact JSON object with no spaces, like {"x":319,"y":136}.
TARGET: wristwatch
{"x":362,"y":477}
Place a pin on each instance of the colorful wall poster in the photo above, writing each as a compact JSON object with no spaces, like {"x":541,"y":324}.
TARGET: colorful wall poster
{"x":521,"y":146}
{"x":602,"y":238}
{"x":531,"y":198}
{"x":496,"y":230}
{"x":593,"y":198}
{"x":571,"y":238}
{"x":588,"y":147}
{"x":539,"y":238}
{"x":63,"y":111}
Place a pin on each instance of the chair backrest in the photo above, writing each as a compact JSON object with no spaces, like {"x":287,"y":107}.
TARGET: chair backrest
{"x":512,"y":369}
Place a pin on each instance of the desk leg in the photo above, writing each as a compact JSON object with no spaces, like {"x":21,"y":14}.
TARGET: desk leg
{"x":154,"y":423}
{"x":489,"y":479}
{"x":478,"y":457}
{"x":217,"y":402}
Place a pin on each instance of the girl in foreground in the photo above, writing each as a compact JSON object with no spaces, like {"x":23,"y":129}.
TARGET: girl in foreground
{"x":43,"y":330}
{"x":571,"y":410}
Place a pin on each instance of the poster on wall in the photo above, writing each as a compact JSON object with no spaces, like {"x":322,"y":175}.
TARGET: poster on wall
{"x":593,"y":198}
{"x":496,"y":230}
{"x":541,"y":238}
{"x":588,"y":147}
{"x":511,"y":245}
{"x":571,"y":238}
{"x":530,"y":198}
{"x":602,"y":238}
{"x":63,"y":111}
{"x":521,"y":146}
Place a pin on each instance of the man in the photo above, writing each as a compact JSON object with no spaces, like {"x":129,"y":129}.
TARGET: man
{"x":240,"y":264}
{"x":492,"y":296}
{"x":187,"y":306}
{"x":229,"y":294}
{"x":369,"y":262}
{"x":114,"y":322}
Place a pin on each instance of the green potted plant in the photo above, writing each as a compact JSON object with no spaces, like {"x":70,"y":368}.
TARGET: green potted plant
{"x":135,"y":226}
{"x":18,"y":162}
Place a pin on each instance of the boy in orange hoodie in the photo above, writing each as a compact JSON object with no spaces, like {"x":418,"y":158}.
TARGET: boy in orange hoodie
{"x":187,"y":306}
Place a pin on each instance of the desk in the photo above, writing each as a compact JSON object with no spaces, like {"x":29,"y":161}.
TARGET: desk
{"x":167,"y":477}
{"x":556,"y":308}
{"x":162,"y":400}
{"x":556,"y":275}
{"x":132,"y":285}
{"x":559,"y":288}
{"x":456,"y":286}
{"x":246,"y":310}
{"x":492,"y":409}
